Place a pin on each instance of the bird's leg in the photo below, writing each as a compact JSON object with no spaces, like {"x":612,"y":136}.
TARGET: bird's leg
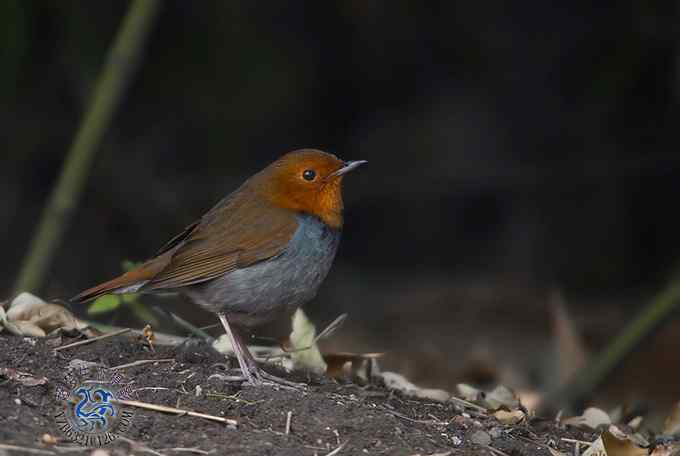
{"x":262,"y":374}
{"x":242,"y":353}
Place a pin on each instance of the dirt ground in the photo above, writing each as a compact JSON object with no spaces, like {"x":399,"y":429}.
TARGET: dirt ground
{"x":327,"y":417}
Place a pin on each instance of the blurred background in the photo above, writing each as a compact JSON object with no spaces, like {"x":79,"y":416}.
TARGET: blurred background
{"x":515,"y":151}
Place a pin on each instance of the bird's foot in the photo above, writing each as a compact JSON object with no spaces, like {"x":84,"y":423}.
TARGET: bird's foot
{"x":258,"y":377}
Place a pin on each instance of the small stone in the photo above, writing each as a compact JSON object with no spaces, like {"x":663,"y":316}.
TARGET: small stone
{"x":480,"y":438}
{"x":17,"y":401}
{"x":496,"y":432}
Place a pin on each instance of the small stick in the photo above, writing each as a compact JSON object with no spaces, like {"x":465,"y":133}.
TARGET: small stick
{"x":176,"y":411}
{"x":187,"y":450}
{"x":337,"y":450}
{"x":94,"y":339}
{"x":496,"y":450}
{"x":24,"y":449}
{"x":464,"y":403}
{"x":582,"y":442}
{"x":289,"y":418}
{"x":141,"y":362}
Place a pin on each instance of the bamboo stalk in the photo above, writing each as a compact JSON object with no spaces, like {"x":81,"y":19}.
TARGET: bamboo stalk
{"x":114,"y":77}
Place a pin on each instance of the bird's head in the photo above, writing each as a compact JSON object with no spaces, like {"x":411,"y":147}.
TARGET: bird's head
{"x":307,"y":181}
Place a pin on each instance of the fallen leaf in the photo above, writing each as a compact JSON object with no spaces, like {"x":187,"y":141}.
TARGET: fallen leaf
{"x":512,"y":417}
{"x":617,"y":443}
{"x":352,"y":366}
{"x":501,"y":396}
{"x":399,"y":383}
{"x":469,"y":393}
{"x":49,"y":439}
{"x":305,"y":353}
{"x":592,"y":417}
{"x":29,"y":315}
{"x":671,"y":449}
{"x":596,"y":449}
{"x":149,"y":335}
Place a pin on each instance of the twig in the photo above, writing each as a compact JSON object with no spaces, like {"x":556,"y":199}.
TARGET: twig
{"x":182,"y":323}
{"x":141,"y":362}
{"x":404,"y":417}
{"x":582,"y":442}
{"x":26,"y":450}
{"x":337,"y":450}
{"x":331,"y":328}
{"x":94,"y":339}
{"x":188,"y":450}
{"x":111,"y":82}
{"x":176,"y":411}
{"x":464,"y":403}
{"x":289,"y":418}
{"x":496,"y":450}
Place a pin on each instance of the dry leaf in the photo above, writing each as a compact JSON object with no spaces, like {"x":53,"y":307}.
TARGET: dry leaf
{"x":506,"y":417}
{"x":352,"y":366}
{"x":618,"y":443}
{"x":149,"y":335}
{"x":596,"y":449}
{"x":671,"y":449}
{"x":592,"y":417}
{"x":305,"y":353}
{"x":469,"y":393}
{"x":399,"y":383}
{"x":502,"y":396}
{"x":49,"y":439}
{"x":29,"y":315}
{"x":499,"y":397}
{"x":24,"y":378}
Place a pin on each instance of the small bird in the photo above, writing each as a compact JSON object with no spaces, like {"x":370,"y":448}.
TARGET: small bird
{"x":262,"y":251}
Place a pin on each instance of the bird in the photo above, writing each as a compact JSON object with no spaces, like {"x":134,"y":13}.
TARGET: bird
{"x":260,"y":252}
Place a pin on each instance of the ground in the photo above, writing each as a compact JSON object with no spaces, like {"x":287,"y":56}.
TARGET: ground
{"x":327,"y":417}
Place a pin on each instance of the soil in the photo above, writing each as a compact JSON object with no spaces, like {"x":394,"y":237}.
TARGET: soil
{"x":325,"y":416}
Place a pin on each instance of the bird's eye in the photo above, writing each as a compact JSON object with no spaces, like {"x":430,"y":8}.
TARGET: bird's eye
{"x":309,"y":175}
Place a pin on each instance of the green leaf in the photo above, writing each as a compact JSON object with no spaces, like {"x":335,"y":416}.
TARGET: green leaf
{"x":129,"y":298}
{"x":105,"y":304}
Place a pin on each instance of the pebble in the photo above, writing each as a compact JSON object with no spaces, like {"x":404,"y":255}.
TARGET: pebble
{"x":480,"y":438}
{"x":496,"y":432}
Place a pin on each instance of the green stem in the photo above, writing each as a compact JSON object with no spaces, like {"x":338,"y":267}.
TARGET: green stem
{"x":111,"y":83}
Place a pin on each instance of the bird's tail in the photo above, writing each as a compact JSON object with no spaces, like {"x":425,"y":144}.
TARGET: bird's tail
{"x":130,"y":282}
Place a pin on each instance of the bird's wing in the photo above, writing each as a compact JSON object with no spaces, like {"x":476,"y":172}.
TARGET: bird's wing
{"x":235,"y":234}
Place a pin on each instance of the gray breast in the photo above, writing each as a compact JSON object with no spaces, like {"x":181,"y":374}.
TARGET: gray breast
{"x":260,"y":292}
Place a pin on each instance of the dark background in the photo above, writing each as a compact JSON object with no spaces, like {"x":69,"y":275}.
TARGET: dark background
{"x":514,"y":149}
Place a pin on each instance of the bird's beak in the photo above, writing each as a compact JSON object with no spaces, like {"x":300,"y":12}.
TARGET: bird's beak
{"x":349,"y":166}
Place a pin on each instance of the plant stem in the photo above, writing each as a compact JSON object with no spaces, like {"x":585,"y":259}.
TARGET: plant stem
{"x":114,"y":77}
{"x":587,"y":380}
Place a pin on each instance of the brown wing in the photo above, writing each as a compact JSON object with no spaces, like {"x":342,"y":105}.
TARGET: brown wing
{"x":241,"y":230}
